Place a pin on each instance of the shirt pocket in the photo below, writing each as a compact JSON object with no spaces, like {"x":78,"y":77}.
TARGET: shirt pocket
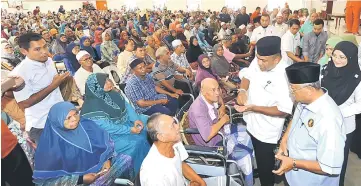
{"x":303,"y":140}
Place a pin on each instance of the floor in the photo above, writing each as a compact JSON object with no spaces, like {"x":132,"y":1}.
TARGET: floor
{"x":353,"y":172}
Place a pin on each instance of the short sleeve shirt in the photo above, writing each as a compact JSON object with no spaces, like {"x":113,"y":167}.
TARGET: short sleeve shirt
{"x":163,"y":72}
{"x":289,"y":43}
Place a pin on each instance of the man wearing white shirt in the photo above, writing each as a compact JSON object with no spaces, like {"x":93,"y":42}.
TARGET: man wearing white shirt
{"x":264,"y":30}
{"x":280,"y":26}
{"x":41,"y":90}
{"x":187,"y":31}
{"x":164,"y":166}
{"x":223,"y":31}
{"x":291,"y":43}
{"x":87,"y":68}
{"x":265,"y":100}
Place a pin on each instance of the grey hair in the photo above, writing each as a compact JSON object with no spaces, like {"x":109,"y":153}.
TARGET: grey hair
{"x":316,"y":85}
{"x":153,"y":126}
{"x":161,"y":51}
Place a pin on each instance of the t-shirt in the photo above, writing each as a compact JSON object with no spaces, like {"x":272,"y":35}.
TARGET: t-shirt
{"x":158,"y":170}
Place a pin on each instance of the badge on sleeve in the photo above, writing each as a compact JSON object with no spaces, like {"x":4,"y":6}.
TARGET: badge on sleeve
{"x":310,"y":123}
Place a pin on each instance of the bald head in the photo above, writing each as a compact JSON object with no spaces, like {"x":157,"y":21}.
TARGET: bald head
{"x":210,"y":90}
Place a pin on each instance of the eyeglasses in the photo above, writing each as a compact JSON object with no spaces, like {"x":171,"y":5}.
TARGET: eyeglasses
{"x":295,"y":90}
{"x":87,"y":59}
{"x":339,"y":57}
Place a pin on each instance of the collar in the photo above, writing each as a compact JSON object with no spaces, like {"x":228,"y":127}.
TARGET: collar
{"x":36,"y":63}
{"x":210,"y":106}
{"x":318,"y":103}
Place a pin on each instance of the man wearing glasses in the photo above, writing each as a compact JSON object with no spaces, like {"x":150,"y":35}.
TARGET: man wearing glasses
{"x":311,"y":149}
{"x":265,"y":101}
{"x":87,"y":68}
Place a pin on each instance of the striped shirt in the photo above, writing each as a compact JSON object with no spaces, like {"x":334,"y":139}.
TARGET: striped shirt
{"x":166,"y":72}
{"x":141,"y":89}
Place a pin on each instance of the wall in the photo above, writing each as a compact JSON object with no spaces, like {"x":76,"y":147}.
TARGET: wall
{"x":251,"y":5}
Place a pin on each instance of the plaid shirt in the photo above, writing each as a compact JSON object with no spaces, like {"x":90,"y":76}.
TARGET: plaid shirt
{"x":180,"y":60}
{"x":138,"y":89}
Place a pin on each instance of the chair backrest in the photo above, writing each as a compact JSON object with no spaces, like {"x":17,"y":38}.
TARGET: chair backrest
{"x":97,"y":48}
{"x":184,"y":124}
{"x":69,"y":66}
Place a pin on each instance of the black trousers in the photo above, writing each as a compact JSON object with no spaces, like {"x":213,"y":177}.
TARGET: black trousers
{"x":265,"y":158}
{"x":15,"y":169}
{"x":345,"y":158}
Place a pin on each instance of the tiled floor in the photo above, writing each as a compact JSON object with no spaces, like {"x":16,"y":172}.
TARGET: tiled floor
{"x":353,"y":173}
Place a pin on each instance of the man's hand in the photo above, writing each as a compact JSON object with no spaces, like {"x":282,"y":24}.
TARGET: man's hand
{"x":286,"y":165}
{"x":282,"y":150}
{"x":225,"y":119}
{"x":188,"y":73}
{"x":90,"y":178}
{"x":59,"y":78}
{"x":242,"y":98}
{"x":176,"y":96}
{"x":221,"y":111}
{"x":245,"y":108}
{"x":163,"y":101}
{"x":18,"y":81}
{"x":179,"y":91}
{"x":106,"y":165}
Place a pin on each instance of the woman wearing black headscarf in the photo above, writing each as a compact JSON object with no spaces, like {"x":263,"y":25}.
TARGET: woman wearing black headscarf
{"x":194,"y":52}
{"x":341,"y":77}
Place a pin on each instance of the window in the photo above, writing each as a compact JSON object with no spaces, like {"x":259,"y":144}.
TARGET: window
{"x":130,"y":4}
{"x":233,"y":4}
{"x":159,"y":4}
{"x":193,"y":5}
{"x":276,"y":4}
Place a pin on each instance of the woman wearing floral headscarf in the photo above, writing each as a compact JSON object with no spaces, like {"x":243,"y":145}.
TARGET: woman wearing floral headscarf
{"x":109,"y":50}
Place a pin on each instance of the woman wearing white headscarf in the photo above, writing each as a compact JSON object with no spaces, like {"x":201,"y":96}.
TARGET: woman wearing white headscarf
{"x":109,"y":50}
{"x":8,"y":58}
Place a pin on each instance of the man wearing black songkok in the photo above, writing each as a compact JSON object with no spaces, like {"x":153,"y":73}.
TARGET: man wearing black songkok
{"x":311,"y":150}
{"x":266,"y":102}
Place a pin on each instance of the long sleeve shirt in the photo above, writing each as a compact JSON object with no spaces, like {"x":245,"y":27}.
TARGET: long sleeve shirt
{"x":314,"y":46}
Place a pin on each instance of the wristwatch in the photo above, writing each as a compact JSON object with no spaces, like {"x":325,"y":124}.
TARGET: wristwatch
{"x":294,"y":165}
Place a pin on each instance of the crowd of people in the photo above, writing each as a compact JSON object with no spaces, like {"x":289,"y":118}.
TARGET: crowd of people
{"x":88,"y":96}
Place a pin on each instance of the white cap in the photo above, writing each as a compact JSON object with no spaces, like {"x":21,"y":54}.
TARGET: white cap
{"x":223,"y":23}
{"x":176,"y":43}
{"x":186,"y":25}
{"x":279,"y":14}
{"x":249,"y":25}
{"x":81,"y":54}
{"x":242,"y":27}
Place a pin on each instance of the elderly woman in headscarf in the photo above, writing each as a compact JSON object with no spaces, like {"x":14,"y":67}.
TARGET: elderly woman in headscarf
{"x":97,"y":37}
{"x":81,"y":152}
{"x":221,"y":66}
{"x":330,"y":45}
{"x":193,"y":52}
{"x":135,"y":37}
{"x":8,"y":59}
{"x":85,"y":44}
{"x":109,"y":50}
{"x":341,"y":79}
{"x":107,"y":107}
{"x":123,"y":37}
{"x":204,"y":70}
{"x":157,"y":38}
{"x":59,"y":45}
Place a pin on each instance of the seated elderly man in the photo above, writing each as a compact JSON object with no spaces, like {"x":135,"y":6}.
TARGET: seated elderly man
{"x":178,"y":56}
{"x":205,"y":115}
{"x":164,"y":166}
{"x":147,"y":97}
{"x":87,"y":67}
{"x":164,"y":70}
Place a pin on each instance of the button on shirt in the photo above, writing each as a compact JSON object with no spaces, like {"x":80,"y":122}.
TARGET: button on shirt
{"x":261,"y":32}
{"x":37,"y":76}
{"x":267,"y":89}
{"x":180,"y":60}
{"x":289,"y":43}
{"x":314,"y":45}
{"x":323,"y":141}
{"x":81,"y":75}
{"x":138,"y":89}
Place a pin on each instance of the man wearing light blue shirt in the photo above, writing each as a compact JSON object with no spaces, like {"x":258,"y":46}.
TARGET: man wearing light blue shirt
{"x":311,"y":150}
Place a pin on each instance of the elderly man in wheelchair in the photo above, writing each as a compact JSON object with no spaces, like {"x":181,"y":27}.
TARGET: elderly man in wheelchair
{"x":213,"y":124}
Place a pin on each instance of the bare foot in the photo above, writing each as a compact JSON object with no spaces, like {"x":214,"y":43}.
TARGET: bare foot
{"x":357,"y":34}
{"x":348,"y":32}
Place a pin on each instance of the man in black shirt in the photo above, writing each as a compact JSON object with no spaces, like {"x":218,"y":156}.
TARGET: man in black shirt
{"x":242,"y":18}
